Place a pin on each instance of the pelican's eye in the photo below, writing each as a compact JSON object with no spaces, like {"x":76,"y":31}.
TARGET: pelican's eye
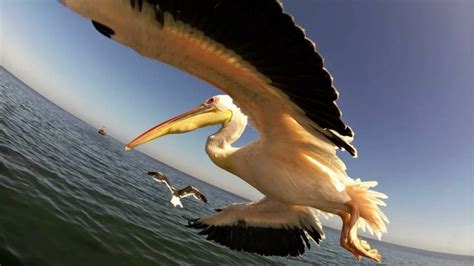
{"x":210,"y":100}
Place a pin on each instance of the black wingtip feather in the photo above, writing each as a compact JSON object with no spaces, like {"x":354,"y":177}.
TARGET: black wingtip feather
{"x":267,"y":241}
{"x":314,"y":235}
{"x":342,"y":144}
{"x":203,"y":198}
{"x":104,"y":30}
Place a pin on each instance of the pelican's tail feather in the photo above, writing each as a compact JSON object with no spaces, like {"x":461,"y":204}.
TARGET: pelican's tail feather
{"x":368,"y":202}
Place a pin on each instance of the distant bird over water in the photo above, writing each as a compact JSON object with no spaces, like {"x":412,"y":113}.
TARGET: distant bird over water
{"x":274,"y":77}
{"x":178,"y":194}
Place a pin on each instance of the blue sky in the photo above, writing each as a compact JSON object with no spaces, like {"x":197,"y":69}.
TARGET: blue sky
{"x":403,"y":70}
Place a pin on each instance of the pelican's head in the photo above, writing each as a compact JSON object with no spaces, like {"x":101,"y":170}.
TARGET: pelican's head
{"x":215,"y":110}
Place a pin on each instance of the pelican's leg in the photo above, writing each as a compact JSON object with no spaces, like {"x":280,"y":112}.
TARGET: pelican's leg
{"x":344,"y":240}
{"x":361,"y":247}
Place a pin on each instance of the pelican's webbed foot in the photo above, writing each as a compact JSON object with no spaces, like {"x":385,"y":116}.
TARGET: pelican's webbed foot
{"x":349,"y":238}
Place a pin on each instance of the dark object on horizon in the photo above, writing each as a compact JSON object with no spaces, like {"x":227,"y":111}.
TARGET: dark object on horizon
{"x":102,"y":131}
{"x":177,"y":194}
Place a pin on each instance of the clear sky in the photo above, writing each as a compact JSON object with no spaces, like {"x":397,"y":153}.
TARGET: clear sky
{"x":404,"y":70}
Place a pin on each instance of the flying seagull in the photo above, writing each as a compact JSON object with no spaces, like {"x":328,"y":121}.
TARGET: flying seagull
{"x":275,"y":79}
{"x":178,"y":194}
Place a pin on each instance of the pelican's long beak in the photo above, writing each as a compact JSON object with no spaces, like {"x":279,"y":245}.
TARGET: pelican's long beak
{"x":201,"y":116}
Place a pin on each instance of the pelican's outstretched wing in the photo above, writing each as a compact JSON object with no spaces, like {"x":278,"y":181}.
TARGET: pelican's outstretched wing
{"x":266,"y":227}
{"x":250,"y":49}
{"x":192,"y":191}
{"x":162,"y":179}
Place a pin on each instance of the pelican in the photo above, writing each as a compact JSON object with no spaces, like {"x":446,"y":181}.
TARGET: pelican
{"x":178,"y":194}
{"x":274,"y":79}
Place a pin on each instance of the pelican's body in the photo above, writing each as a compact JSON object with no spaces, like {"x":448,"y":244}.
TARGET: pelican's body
{"x":267,"y":167}
{"x":178,"y":194}
{"x":255,"y":53}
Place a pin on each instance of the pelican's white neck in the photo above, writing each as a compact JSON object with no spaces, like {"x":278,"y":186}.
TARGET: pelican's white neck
{"x":219,"y":145}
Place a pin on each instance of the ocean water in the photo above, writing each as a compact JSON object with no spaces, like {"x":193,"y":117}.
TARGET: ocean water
{"x":69,"y":196}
